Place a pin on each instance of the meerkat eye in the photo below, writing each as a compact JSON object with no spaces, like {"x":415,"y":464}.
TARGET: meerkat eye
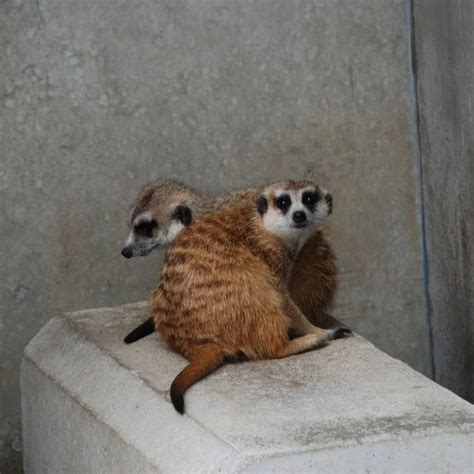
{"x":145,"y":228}
{"x":310,"y":198}
{"x":283,"y":202}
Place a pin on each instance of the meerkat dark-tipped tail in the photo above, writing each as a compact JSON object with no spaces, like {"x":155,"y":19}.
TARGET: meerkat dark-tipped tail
{"x":141,"y":331}
{"x":207,"y":359}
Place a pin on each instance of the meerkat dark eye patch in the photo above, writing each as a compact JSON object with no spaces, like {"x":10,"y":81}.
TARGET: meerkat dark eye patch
{"x":262,"y":205}
{"x":309,"y":199}
{"x":283,"y":202}
{"x":183,"y":214}
{"x":145,"y":228}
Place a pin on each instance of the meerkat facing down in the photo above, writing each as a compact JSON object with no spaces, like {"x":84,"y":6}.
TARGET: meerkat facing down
{"x":224,"y":292}
{"x":165,"y":207}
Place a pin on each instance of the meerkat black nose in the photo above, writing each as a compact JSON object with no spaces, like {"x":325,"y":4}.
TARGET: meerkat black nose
{"x":299,"y":217}
{"x":126,"y":252}
{"x":328,"y":199}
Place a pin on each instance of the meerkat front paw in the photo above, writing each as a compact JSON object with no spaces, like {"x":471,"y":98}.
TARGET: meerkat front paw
{"x":340,"y":333}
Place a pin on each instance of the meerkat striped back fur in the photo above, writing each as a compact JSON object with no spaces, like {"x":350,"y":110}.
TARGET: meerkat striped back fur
{"x":165,"y":207}
{"x":224,"y":291}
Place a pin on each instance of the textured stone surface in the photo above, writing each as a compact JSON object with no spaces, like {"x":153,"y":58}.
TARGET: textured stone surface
{"x":96,"y":98}
{"x":95,"y":447}
{"x":445,"y":64}
{"x":346,"y":408}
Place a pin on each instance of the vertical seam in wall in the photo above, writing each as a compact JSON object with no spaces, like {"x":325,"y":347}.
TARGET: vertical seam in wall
{"x":419,"y":181}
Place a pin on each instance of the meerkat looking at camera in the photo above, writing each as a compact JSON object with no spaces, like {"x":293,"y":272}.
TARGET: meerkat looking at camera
{"x":165,"y":207}
{"x":224,"y":291}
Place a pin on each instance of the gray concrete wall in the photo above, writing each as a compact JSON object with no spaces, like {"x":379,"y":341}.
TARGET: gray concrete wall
{"x":98,"y":99}
{"x":445,"y":68}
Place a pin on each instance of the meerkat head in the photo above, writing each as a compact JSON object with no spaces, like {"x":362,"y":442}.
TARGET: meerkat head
{"x":293,"y":209}
{"x":160,"y":212}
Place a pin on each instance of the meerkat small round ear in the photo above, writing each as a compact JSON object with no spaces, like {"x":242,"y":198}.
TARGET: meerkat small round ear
{"x":183,"y":214}
{"x":262,"y":204}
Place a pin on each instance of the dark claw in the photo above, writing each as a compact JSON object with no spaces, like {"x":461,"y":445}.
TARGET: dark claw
{"x":340,"y":333}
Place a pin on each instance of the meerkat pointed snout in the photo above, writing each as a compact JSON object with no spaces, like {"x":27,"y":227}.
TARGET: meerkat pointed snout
{"x":299,"y":218}
{"x":146,"y":233}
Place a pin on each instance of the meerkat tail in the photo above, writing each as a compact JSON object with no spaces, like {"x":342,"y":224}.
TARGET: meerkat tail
{"x":141,"y":331}
{"x":205,"y":361}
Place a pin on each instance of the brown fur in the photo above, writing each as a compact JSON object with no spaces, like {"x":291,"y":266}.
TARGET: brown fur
{"x":224,"y":292}
{"x":313,"y":278}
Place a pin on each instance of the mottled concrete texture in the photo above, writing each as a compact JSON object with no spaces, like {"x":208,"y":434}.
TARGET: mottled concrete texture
{"x":98,"y":97}
{"x":92,"y":404}
{"x":444,"y":36}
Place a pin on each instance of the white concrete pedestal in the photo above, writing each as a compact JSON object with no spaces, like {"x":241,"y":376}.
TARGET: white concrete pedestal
{"x":93,"y":404}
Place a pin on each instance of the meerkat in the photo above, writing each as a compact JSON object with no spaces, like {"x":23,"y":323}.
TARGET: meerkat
{"x":224,"y":293}
{"x":165,"y":207}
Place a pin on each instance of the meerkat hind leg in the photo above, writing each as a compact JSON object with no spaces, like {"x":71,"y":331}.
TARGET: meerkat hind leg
{"x":302,"y":326}
{"x":310,"y":341}
{"x":302,"y":344}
